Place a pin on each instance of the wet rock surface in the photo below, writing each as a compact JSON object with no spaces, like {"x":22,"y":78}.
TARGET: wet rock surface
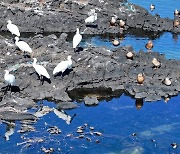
{"x":66,"y":16}
{"x":95,"y":70}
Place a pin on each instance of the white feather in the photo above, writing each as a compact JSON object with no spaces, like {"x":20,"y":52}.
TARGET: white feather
{"x":41,"y":71}
{"x":23,"y":46}
{"x":13,"y":28}
{"x":63,"y":65}
{"x":77,"y":38}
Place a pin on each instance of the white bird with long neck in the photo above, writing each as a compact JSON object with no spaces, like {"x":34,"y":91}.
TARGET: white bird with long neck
{"x":9,"y":79}
{"x":41,"y":71}
{"x":76,"y":39}
{"x":91,"y":18}
{"x":13,"y":28}
{"x":63,"y":65}
{"x":23,"y":46}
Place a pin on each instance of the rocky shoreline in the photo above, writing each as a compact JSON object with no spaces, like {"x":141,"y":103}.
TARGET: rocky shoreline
{"x":97,"y":73}
{"x":65,"y":16}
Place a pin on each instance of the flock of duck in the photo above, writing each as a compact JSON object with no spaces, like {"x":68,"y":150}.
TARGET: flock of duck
{"x":40,"y":70}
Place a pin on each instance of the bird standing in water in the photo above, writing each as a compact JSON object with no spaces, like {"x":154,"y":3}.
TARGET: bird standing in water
{"x":149,"y":45}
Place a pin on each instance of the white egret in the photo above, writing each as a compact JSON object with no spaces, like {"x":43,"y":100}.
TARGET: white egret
{"x":91,"y":18}
{"x":9,"y":79}
{"x":76,"y":39}
{"x":41,"y":71}
{"x":23,"y":46}
{"x":62,"y":66}
{"x":13,"y":28}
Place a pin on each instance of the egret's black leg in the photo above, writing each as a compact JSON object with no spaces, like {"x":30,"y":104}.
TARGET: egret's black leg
{"x":42,"y":80}
{"x":74,"y":49}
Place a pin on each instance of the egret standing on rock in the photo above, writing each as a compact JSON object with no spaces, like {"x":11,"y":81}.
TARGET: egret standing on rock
{"x":76,"y":39}
{"x":9,"y":79}
{"x":91,"y":18}
{"x":13,"y":28}
{"x":62,"y":66}
{"x":41,"y":71}
{"x":23,"y":46}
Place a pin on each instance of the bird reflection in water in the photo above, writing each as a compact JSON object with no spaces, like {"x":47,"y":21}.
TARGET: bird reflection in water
{"x":139,"y":103}
{"x":175,"y":37}
{"x":64,"y":116}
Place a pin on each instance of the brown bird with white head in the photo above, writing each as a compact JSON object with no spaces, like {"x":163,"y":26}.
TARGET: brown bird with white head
{"x":156,"y":63}
{"x":149,"y":45}
{"x":140,"y":78}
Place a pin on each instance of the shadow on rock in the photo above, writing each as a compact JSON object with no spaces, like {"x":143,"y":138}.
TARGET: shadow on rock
{"x":66,"y":72}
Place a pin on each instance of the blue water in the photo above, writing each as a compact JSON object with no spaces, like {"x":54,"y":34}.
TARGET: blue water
{"x":165,"y":8}
{"x":167,"y":43}
{"x":117,"y":120}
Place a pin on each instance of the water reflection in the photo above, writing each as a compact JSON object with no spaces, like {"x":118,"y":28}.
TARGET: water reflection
{"x":139,"y":103}
{"x":156,"y":127}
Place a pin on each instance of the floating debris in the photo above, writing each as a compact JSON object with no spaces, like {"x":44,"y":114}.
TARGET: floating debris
{"x":134,"y":134}
{"x":88,"y":139}
{"x":174,"y":145}
{"x":50,"y":150}
{"x":98,"y":133}
{"x":26,"y":128}
{"x":91,"y":128}
{"x":79,"y":131}
{"x":152,"y":7}
{"x":97,"y":141}
{"x":80,"y":127}
{"x":43,"y":111}
{"x":153,"y":140}
{"x":54,"y":130}
{"x":85,"y":125}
